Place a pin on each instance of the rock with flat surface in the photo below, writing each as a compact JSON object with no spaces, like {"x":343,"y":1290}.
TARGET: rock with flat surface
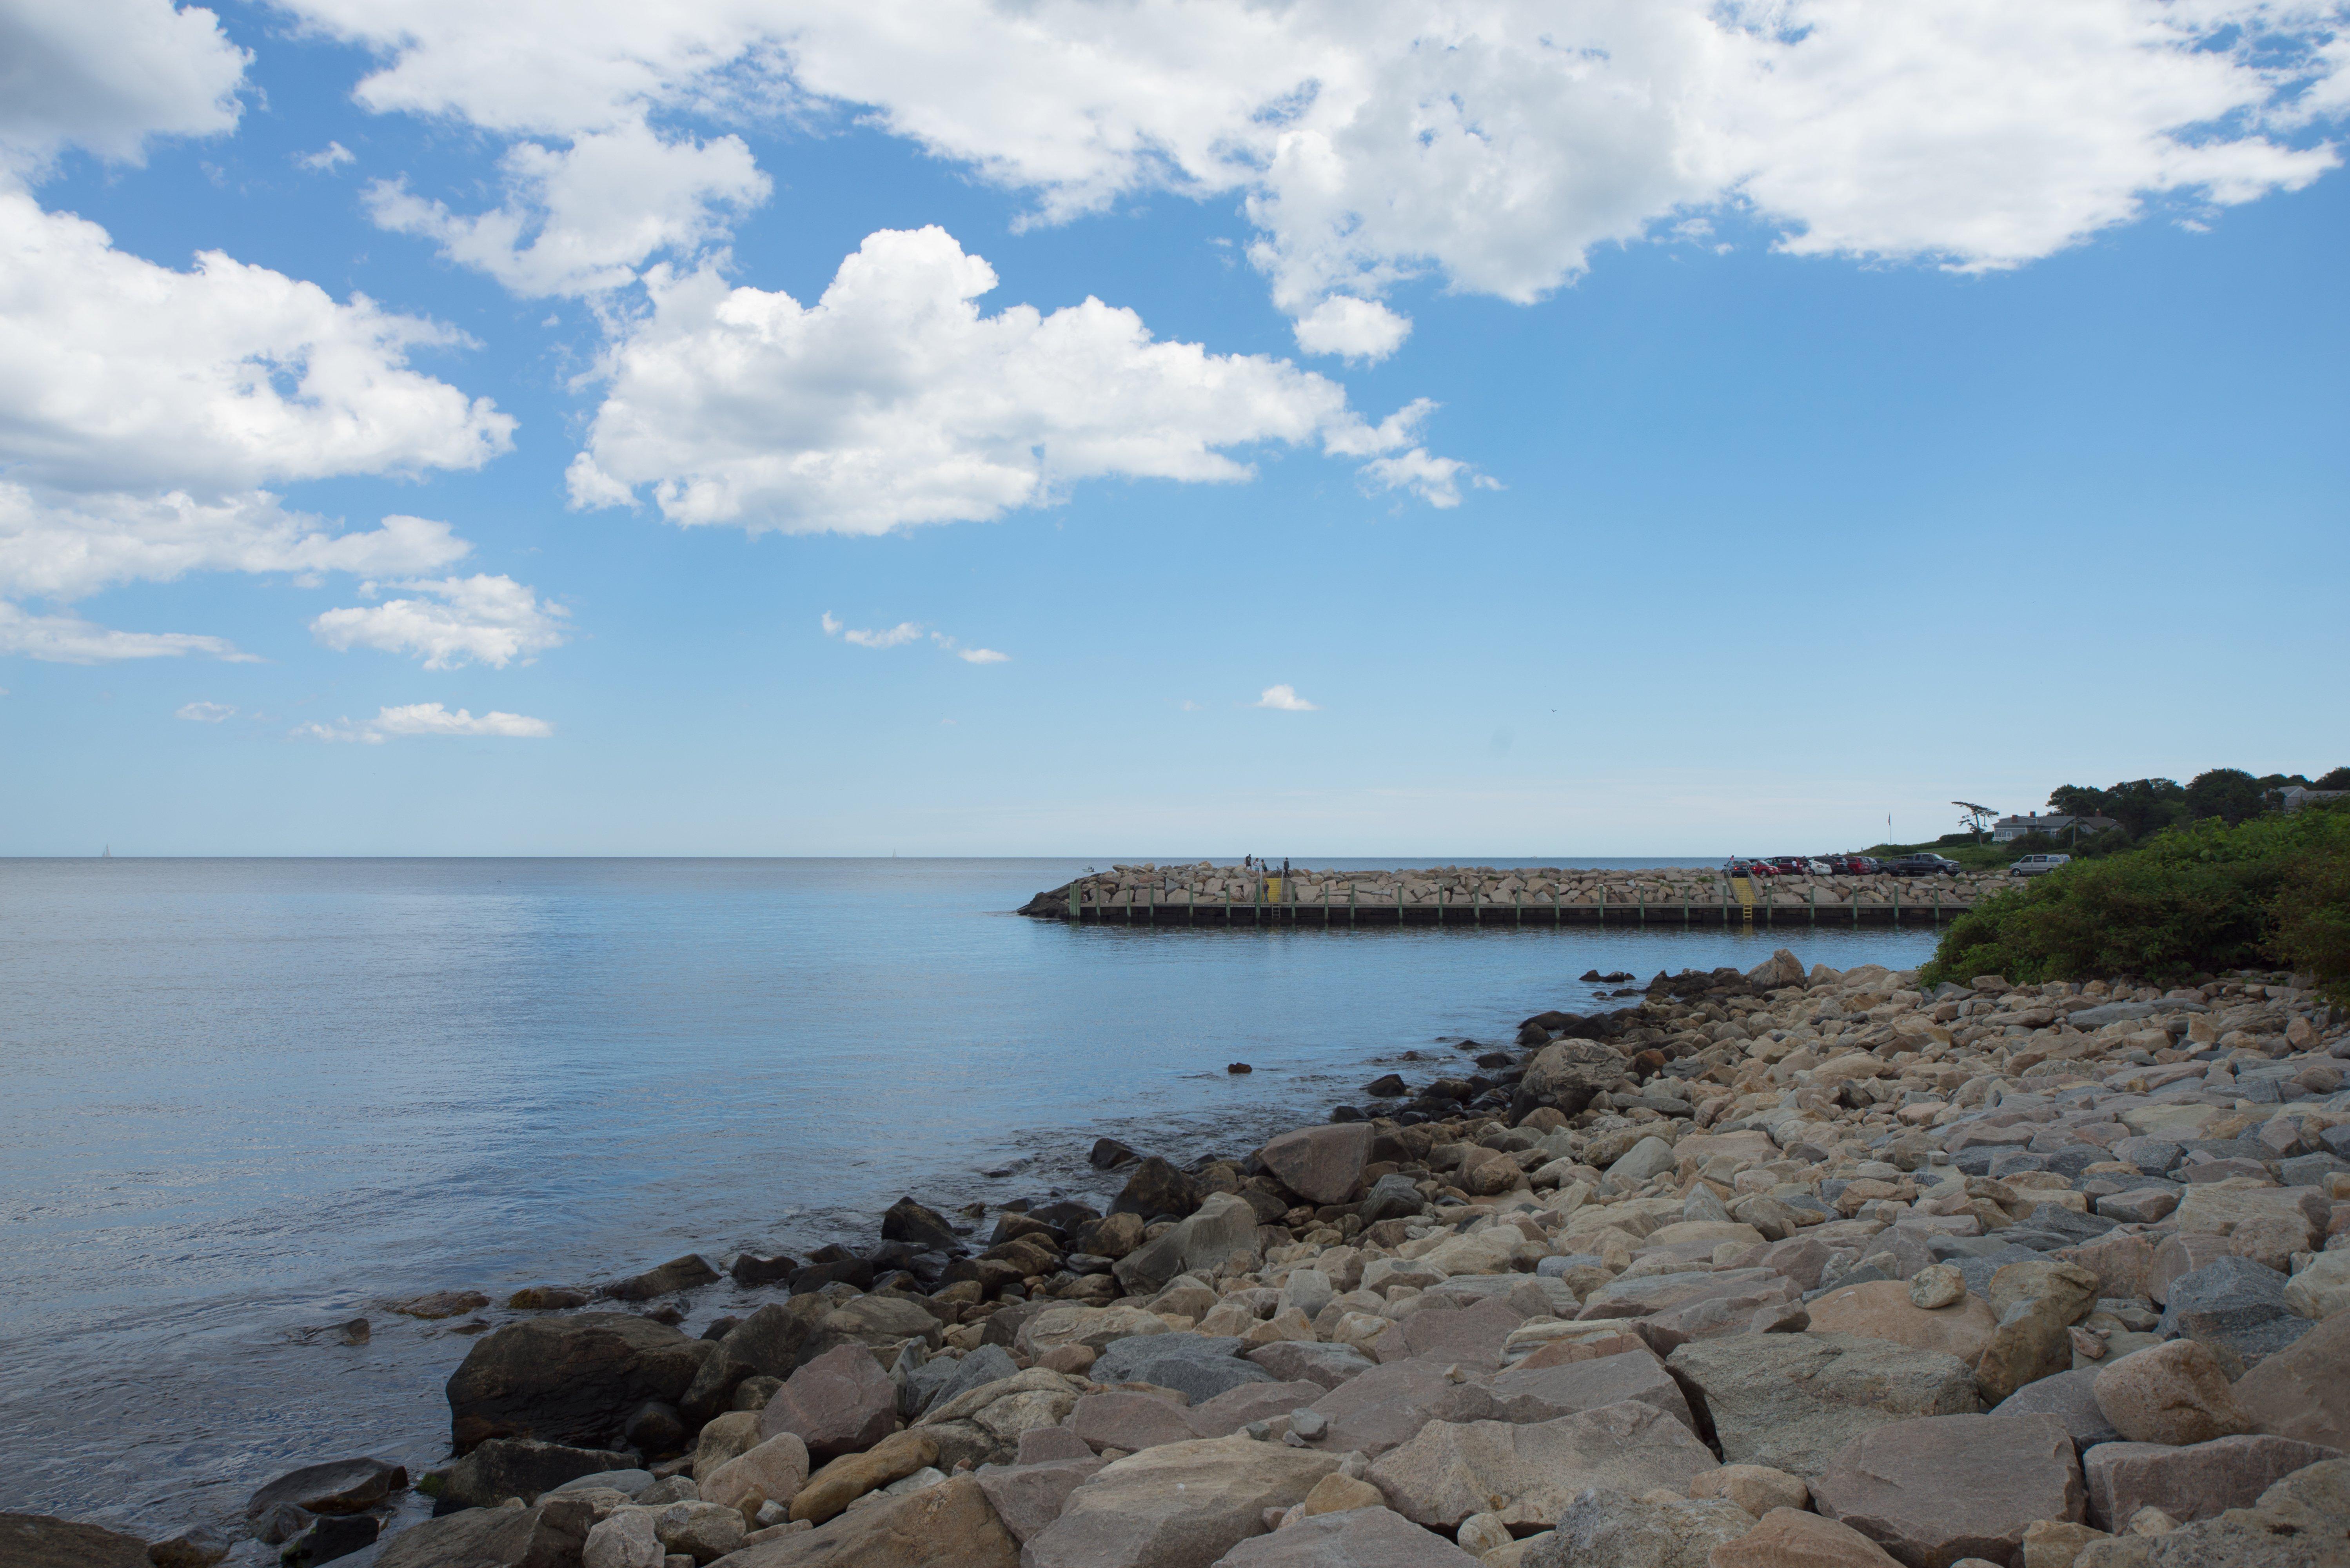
{"x":1292,"y":1361}
{"x":1934,"y":1490}
{"x":2170,"y":1393}
{"x":1531,"y":1474}
{"x":1661,"y":1292}
{"x":1321,"y":1164}
{"x":774,"y":1471}
{"x":1222,"y":1234}
{"x":1181,"y":1505}
{"x":1028,"y":1497}
{"x":837,"y":1403}
{"x":551,"y":1534}
{"x":2321,"y":1290}
{"x":1236,"y":1407}
{"x":513,"y":1467}
{"x":831,"y":1489}
{"x":1884,"y":1309}
{"x":1787,"y":1538}
{"x":350,"y":1485}
{"x":2190,"y":1483}
{"x":1757,"y":1489}
{"x":1388,"y":1404}
{"x":1356,"y":1538}
{"x":1198,"y":1366}
{"x":2236,"y":1306}
{"x":1097,"y":1328}
{"x":1546,"y":1393}
{"x":1604,"y":1529}
{"x":678,"y":1275}
{"x":1472,"y":1336}
{"x":949,"y":1525}
{"x":1791,"y":1400}
{"x":1130,"y":1421}
{"x":2072,"y":1398}
{"x":2298,"y":1392}
{"x":38,"y":1540}
{"x":570,"y":1380}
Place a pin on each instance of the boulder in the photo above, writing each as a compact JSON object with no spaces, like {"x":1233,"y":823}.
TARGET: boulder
{"x":1566,"y":1075}
{"x":1128,"y":1421}
{"x":38,"y":1540}
{"x":2054,"y":1543}
{"x":1321,"y":1164}
{"x":1531,"y":1474}
{"x":551,"y":1534}
{"x":767,"y":1343}
{"x":1156,"y":1188}
{"x":726,"y":1437}
{"x":774,"y":1471}
{"x":1603,"y":1529}
{"x":2170,"y":1393}
{"x":1294,"y":1361}
{"x":2321,"y":1290}
{"x":1650,"y":1157}
{"x":1388,"y":1405}
{"x":1236,"y":1407}
{"x":2233,"y":1305}
{"x":1471,"y":1337}
{"x":2037,"y":1302}
{"x":943,"y":1381}
{"x":949,"y":1525}
{"x":1180,"y":1505}
{"x":1195,"y":1364}
{"x":2198,"y":1481}
{"x":569,"y":1380}
{"x":1030,"y":1495}
{"x":1546,"y":1393}
{"x":676,"y":1274}
{"x":624,"y":1538}
{"x":515,"y":1467}
{"x":881,"y":1323}
{"x":1757,"y":1489}
{"x":1222,"y":1232}
{"x":927,"y":1228}
{"x":1786,"y":1537}
{"x":1883,"y":1309}
{"x":837,"y":1403}
{"x":347,"y":1486}
{"x":2297,"y":1392}
{"x":2072,"y":1398}
{"x":441,"y":1304}
{"x":1096,"y":1328}
{"x":1781,"y":968}
{"x":1934,"y":1490}
{"x":1351,"y":1538}
{"x":1791,"y":1400}
{"x":831,"y":1489}
{"x":704,"y":1531}
{"x":1391,"y":1197}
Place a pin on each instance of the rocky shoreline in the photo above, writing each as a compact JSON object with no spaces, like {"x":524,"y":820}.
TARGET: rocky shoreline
{"x":1778,"y":1269}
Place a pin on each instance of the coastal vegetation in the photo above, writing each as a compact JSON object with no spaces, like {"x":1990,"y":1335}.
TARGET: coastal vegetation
{"x":2270,"y":890}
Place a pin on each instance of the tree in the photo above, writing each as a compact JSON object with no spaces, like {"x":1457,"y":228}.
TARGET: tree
{"x":2077,"y":800}
{"x":2338,"y":779}
{"x":1976,"y":815}
{"x":2144,"y":805}
{"x":2231,"y":795}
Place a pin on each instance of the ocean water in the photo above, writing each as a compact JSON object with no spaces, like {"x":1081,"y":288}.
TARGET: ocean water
{"x":241,"y":1098}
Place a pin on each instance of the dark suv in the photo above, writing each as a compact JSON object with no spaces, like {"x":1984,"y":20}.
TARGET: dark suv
{"x":1923,"y":866}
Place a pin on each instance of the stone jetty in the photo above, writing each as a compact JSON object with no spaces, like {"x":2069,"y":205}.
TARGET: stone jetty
{"x":1203,"y":893}
{"x":1787,"y":1269}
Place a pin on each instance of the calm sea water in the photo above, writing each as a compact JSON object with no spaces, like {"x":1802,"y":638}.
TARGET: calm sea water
{"x":243,"y":1097}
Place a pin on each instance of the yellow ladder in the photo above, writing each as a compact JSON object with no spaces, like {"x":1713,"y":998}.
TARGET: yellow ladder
{"x":1743,"y":888}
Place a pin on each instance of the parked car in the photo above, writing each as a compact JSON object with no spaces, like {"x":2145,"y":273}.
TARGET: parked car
{"x":1923,"y":866}
{"x":1739,"y":866}
{"x":2037,"y":865}
{"x":1866,"y":866}
{"x":1850,"y":865}
{"x":1794,"y":865}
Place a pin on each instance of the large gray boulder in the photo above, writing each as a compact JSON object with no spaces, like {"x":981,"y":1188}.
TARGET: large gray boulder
{"x":569,"y":1380}
{"x":1932,"y":1491}
{"x":524,"y":1467}
{"x":767,"y":1343}
{"x":949,"y":1525}
{"x":1320,"y":1164}
{"x":1388,"y":1405}
{"x":1181,"y":1505}
{"x":2235,"y":1306}
{"x":1531,"y":1474}
{"x":2196,"y":1482}
{"x":1222,"y":1232}
{"x":1610,"y":1530}
{"x":2299,"y":1391}
{"x":550,"y":1535}
{"x":1198,"y":1366}
{"x":1792,"y":1400}
{"x":1546,"y":1393}
{"x":1358,"y":1538}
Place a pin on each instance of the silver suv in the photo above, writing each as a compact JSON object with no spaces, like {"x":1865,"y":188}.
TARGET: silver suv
{"x":2036,"y":865}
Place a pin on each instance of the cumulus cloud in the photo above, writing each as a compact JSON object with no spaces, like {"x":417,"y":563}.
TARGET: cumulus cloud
{"x":1285,"y":699}
{"x":892,"y":401}
{"x":327,"y":159}
{"x":907,"y":631}
{"x":110,"y":75}
{"x":205,"y":712}
{"x":426,"y":718}
{"x":1492,"y":143}
{"x":483,"y":619}
{"x":581,"y":220}
{"x":69,"y":639}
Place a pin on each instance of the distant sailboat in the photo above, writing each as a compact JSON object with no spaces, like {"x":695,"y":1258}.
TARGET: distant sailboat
{"x":107,"y":853}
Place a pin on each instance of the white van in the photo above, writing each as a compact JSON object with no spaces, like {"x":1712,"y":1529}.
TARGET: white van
{"x":2034,"y":864}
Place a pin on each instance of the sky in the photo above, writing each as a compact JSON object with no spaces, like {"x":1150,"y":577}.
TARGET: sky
{"x":1151,"y":429}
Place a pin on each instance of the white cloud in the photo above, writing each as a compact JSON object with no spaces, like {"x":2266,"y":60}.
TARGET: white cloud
{"x":108,"y":75}
{"x":426,"y":718}
{"x":1356,"y":328}
{"x":581,"y":220}
{"x":205,"y":712}
{"x":327,"y":159}
{"x":485,"y":619}
{"x":907,"y":631}
{"x":1494,"y":143}
{"x":69,"y":639}
{"x":66,"y":546}
{"x":1285,"y":699}
{"x":892,"y":401}
{"x":117,"y":375}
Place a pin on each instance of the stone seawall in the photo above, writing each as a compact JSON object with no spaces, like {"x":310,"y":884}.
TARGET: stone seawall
{"x":1202,"y":891}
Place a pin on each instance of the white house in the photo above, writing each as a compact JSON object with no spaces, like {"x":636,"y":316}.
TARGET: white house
{"x":2008,"y":828}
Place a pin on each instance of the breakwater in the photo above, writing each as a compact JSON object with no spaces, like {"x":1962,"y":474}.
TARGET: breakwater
{"x":1203,"y":893}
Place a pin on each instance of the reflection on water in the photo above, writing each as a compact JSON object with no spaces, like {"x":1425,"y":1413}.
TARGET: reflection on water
{"x":242,"y":1097}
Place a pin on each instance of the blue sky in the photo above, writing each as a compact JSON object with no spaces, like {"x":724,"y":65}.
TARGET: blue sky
{"x":1504,"y":428}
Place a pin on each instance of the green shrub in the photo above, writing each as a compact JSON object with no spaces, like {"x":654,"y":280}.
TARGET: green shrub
{"x":2202,"y":897}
